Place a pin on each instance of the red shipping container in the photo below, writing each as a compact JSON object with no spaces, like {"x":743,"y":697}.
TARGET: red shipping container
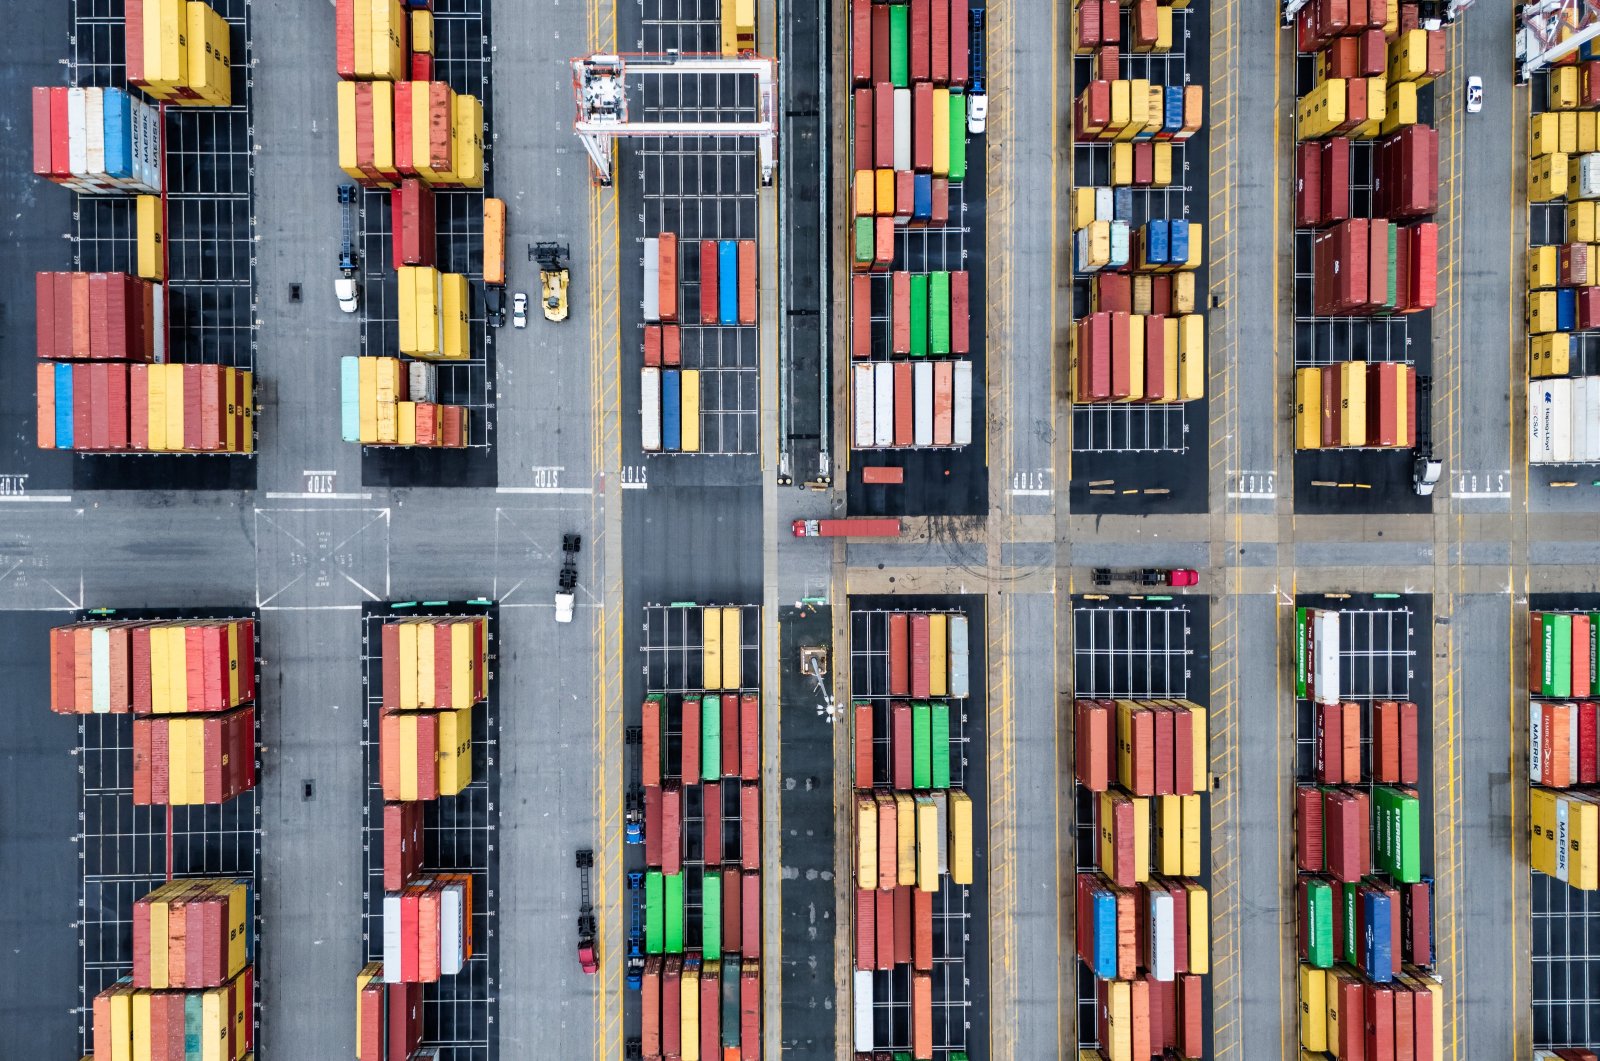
{"x":749,"y":738}
{"x":1377,"y":263}
{"x":939,"y":42}
{"x":960,"y":312}
{"x":921,"y":123}
{"x":1087,"y":18}
{"x":860,"y":41}
{"x":730,"y":734}
{"x":880,"y":43}
{"x":689,"y":747}
{"x":1308,"y":184}
{"x":1425,"y":270}
{"x":943,"y":402}
{"x":667,"y":274}
{"x":899,"y":654}
{"x":883,"y":124}
{"x":671,"y":345}
{"x":919,"y":32}
{"x":863,"y":745}
{"x":1104,"y":66}
{"x":650,"y":1019}
{"x":1380,"y":1022}
{"x":650,"y":738}
{"x":1588,"y":717}
{"x":652,"y":825}
{"x":919,"y":660}
{"x":671,"y":829}
{"x":750,"y":1012}
{"x":860,"y":316}
{"x":883,"y":926}
{"x":1110,"y":22}
{"x":921,"y":929}
{"x":1165,"y":723}
{"x":731,"y":909}
{"x":750,"y":825}
{"x":864,"y":139}
{"x":1113,"y":291}
{"x":900,"y":745}
{"x":905,"y":183}
{"x":1121,"y":356}
{"x":939,"y":212}
{"x":1408,"y":743}
{"x":1343,"y":58}
{"x":747,"y":281}
{"x":710,"y":1011}
{"x":866,"y":929}
{"x":1330,"y":743}
{"x":671,"y":1007}
{"x":750,"y":913}
{"x":711,"y":824}
{"x":413,"y":214}
{"x":1094,"y":109}
{"x":1308,"y":828}
{"x":1093,"y":744}
{"x":904,"y":426}
{"x":958,"y":42}
{"x":1333,"y":200}
{"x":652,"y":345}
{"x":1144,"y":162}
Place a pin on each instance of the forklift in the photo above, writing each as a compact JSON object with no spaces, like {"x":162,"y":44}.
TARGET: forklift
{"x":553,"y":276}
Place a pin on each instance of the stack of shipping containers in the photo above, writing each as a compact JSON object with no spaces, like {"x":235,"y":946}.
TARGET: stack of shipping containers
{"x":434,"y":674}
{"x":1366,"y":183}
{"x":412,"y":140}
{"x":1563,"y":269}
{"x":1138,"y":337}
{"x":104,"y":381}
{"x":670,"y":391}
{"x":701,"y":778}
{"x":913,"y":834}
{"x":1364,"y":901}
{"x":190,"y":687}
{"x":910,"y":305}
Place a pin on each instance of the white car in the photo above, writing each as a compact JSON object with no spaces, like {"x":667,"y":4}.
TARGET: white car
{"x":977,"y":114}
{"x":345,"y":290}
{"x":1474,"y":94}
{"x":519,"y":310}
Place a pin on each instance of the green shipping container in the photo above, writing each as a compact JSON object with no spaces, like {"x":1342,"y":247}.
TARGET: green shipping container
{"x":1393,"y":301}
{"x":1561,"y":664}
{"x":711,"y":917}
{"x":1301,"y":625}
{"x":921,"y":745}
{"x":919,"y":314}
{"x":941,"y":745}
{"x":958,"y":136}
{"x":1352,"y":945}
{"x":899,"y":46}
{"x":1319,"y":924}
{"x":653,"y":919}
{"x":864,"y":239}
{"x":1397,"y":850}
{"x":939,"y":313}
{"x":672,"y":903}
{"x":1547,"y":656}
{"x":711,"y":738}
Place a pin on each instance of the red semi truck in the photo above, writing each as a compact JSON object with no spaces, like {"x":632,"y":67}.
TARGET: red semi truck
{"x":846,"y":528}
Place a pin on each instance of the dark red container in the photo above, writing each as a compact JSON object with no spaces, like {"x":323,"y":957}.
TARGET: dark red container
{"x":939,"y":211}
{"x":900,"y":745}
{"x":899,"y":654}
{"x":922,"y":126}
{"x":904,"y":409}
{"x":1308,"y":184}
{"x":958,"y":42}
{"x":671,"y":1007}
{"x":863,"y":745}
{"x":960,"y":312}
{"x":883,"y":125}
{"x":689,"y":747}
{"x":652,"y":824}
{"x":1308,"y":828}
{"x":865,"y":137}
{"x":709,"y":309}
{"x":402,"y":843}
{"x":1110,"y":21}
{"x":880,"y":43}
{"x":750,"y":1012}
{"x":749,"y":738}
{"x":939,"y":42}
{"x":866,"y":929}
{"x":750,"y":913}
{"x":413,"y":218}
{"x":860,"y":41}
{"x":919,"y":659}
{"x":918,"y":40}
{"x":732,"y":940}
{"x":671,"y":829}
{"x":883,"y":926}
{"x":860,"y":316}
{"x":1333,"y":203}
{"x":750,"y":825}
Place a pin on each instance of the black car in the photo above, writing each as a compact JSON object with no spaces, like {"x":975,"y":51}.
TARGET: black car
{"x":494,"y":299}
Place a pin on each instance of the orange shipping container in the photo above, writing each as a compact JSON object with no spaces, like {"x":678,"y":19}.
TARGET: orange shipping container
{"x":667,"y":243}
{"x":922,"y":1015}
{"x":747,"y":281}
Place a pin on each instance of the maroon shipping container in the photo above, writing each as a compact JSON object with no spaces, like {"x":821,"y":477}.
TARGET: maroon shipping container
{"x":732,"y":907}
{"x":1088,"y":19}
{"x":883,"y":929}
{"x":710,"y":1011}
{"x":1121,"y":356}
{"x":413,"y":218}
{"x":405,"y":1019}
{"x":671,"y":829}
{"x":671,"y":1007}
{"x":939,"y":42}
{"x":1408,"y":743}
{"x":652,"y":824}
{"x":750,"y":825}
{"x":921,"y":929}
{"x":900,"y":745}
{"x":1343,"y":57}
{"x":749,"y":737}
{"x":918,"y":37}
{"x":1417,"y":928}
{"x":1308,"y":828}
{"x":750,"y":1012}
{"x":958,"y":42}
{"x":402,"y":844}
{"x":864,"y":140}
{"x":900,"y":313}
{"x":1333,"y":201}
{"x":880,"y":43}
{"x":900,"y":654}
{"x":711,"y":828}
{"x":883,"y":125}
{"x":904,"y":424}
{"x":860,"y":315}
{"x":730,"y":734}
{"x":905,"y":183}
{"x":750,"y":913}
{"x":866,"y":929}
{"x":860,"y":41}
{"x":1308,"y":184}
{"x":1380,"y":1022}
{"x":960,"y":311}
{"x":863,"y":739}
{"x":922,"y":126}
{"x":939,"y":212}
{"x":709,"y":309}
{"x":919,"y":658}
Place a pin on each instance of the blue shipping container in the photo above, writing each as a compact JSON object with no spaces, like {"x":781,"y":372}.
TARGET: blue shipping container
{"x":1178,"y":242}
{"x":63,"y":407}
{"x":1155,"y":242}
{"x":1566,"y":308}
{"x":727,"y":285}
{"x":1104,"y":906}
{"x":349,"y":399}
{"x":1174,"y":110}
{"x":671,"y":413}
{"x":1376,"y":952}
{"x":118,"y":129}
{"x":922,"y":196}
{"x":1122,"y":204}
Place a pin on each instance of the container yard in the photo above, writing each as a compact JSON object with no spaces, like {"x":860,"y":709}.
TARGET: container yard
{"x":693,"y":881}
{"x":1136,"y":360}
{"x":1364,"y":839}
{"x":416,"y":134}
{"x":1366,"y":186}
{"x":429,"y":831}
{"x":1141,"y":769}
{"x":915,"y":197}
{"x":917,"y":692}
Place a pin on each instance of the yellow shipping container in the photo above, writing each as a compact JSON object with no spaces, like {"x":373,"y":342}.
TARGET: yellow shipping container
{"x":422,"y":32}
{"x":865,"y":187}
{"x":941,"y":132}
{"x":732,"y":648}
{"x":1163,"y":164}
{"x":463,"y":675}
{"x":710,"y":648}
{"x":1197,"y":247}
{"x":209,"y":72}
{"x":1119,"y":1021}
{"x":468,"y":135}
{"x":1099,"y":243}
{"x":173,"y":375}
{"x":455,"y":325}
{"x":1547,"y":177}
{"x":1377,"y":109}
{"x":1308,"y":408}
{"x":689,"y":1010}
{"x":1164,"y":28}
{"x":938,"y":655}
{"x":1191,"y":835}
{"x":1313,"y":1008}
{"x":866,"y":844}
{"x":1082,"y":207}
{"x":426,"y":649}
{"x":1322,"y":110}
{"x":906,"y":838}
{"x":248,"y":443}
{"x":408,"y":666}
{"x":689,"y":425}
{"x":361,"y":23}
{"x":1353,"y":403}
{"x":383,"y":159}
{"x":1544,"y":134}
{"x":1399,"y":103}
{"x":1122,"y":163}
{"x":406,"y":423}
{"x":188,"y":732}
{"x":1408,"y":56}
{"x":1169,"y":835}
{"x":346,"y":97}
{"x":1169,"y":365}
{"x":1583,"y":840}
{"x":960,"y":836}
{"x":1183,"y":293}
{"x":1544,"y":262}
{"x":1191,"y":354}
{"x":388,"y":40}
{"x":1202,"y":747}
{"x":1567,"y":132}
{"x":367,"y":385}
{"x":1562,"y":84}
{"x":122,"y":1023}
{"x":455,"y":750}
{"x":1588,"y":131}
{"x":166,"y":50}
{"x":928,"y":845}
{"x":1549,"y":355}
{"x":1139,"y":116}
{"x":152,"y":258}
{"x":1119,"y":110}
{"x":1541,"y":312}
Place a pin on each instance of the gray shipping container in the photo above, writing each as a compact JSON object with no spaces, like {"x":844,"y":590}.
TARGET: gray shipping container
{"x":865,"y":408}
{"x":922,"y":391}
{"x":650,"y":409}
{"x":652,"y":279}
{"x":863,"y":1004}
{"x":962,"y":435}
{"x":959,"y":678}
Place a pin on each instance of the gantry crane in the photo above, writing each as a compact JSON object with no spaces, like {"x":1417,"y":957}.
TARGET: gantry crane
{"x":1542,"y":23}
{"x":600,"y":85}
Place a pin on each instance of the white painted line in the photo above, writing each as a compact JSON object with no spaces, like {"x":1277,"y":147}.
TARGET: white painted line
{"x":317,"y":497}
{"x":544,"y":490}
{"x":36,"y":497}
{"x":635,"y":486}
{"x":1018,"y":492}
{"x":309,"y":607}
{"x":309,"y":471}
{"x":1504,"y":495}
{"x":1254,"y":495}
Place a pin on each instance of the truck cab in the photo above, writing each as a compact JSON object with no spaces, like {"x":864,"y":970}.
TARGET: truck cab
{"x":977,"y":96}
{"x":344,"y":285}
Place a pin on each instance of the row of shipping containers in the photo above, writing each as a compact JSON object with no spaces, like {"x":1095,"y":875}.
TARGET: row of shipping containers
{"x":1564,"y":420}
{"x":1118,"y":356}
{"x":427,"y":928}
{"x":1136,"y":109}
{"x":1157,"y":930}
{"x":914,"y":823}
{"x":727,"y":282}
{"x":188,"y":760}
{"x":1342,"y":1016}
{"x":906,"y":43}
{"x":904,"y":404}
{"x":99,"y":317}
{"x":140,"y":1024}
{"x":929,"y":314}
{"x":1354,"y":405}
{"x":1373,"y":266}
{"x":1386,"y":753}
{"x":701,"y":1009}
{"x":914,"y":137}
{"x":179,"y":52}
{"x":383,"y":40}
{"x":1405,"y":177}
{"x":116,"y":407}
{"x":669,"y":410}
{"x":885,"y":198}
{"x":1564,"y":821}
{"x":421,"y":129}
{"x":388,"y":402}
{"x":1104,"y":237}
{"x":152,"y":667}
{"x":1097,"y":25}
{"x":193,"y":932}
{"x":1145,"y":1017}
{"x":96,"y":140}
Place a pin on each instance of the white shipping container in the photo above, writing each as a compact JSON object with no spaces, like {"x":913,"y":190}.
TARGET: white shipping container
{"x":1591,"y":418}
{"x":1104,"y":204}
{"x":959,"y":676}
{"x":1578,"y":414}
{"x":863,"y":1004}
{"x":652,"y":279}
{"x":1560,"y":420}
{"x":1535,"y":742}
{"x":1081,"y":253}
{"x":941,"y":819}
{"x":1589,"y":176}
{"x":452,"y":928}
{"x":650,"y":409}
{"x":883,"y":406}
{"x":77,"y":134}
{"x":1572,"y":743}
{"x":158,"y":313}
{"x":963,"y":425}
{"x":391,"y":938}
{"x":1161,"y":942}
{"x":902,"y":128}
{"x":1119,"y":244}
{"x":94,"y":131}
{"x":100,"y":669}
{"x":422,"y":382}
{"x":1538,"y":425}
{"x":922,"y":391}
{"x":151,"y":141}
{"x":1325,"y":642}
{"x":865,"y":408}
